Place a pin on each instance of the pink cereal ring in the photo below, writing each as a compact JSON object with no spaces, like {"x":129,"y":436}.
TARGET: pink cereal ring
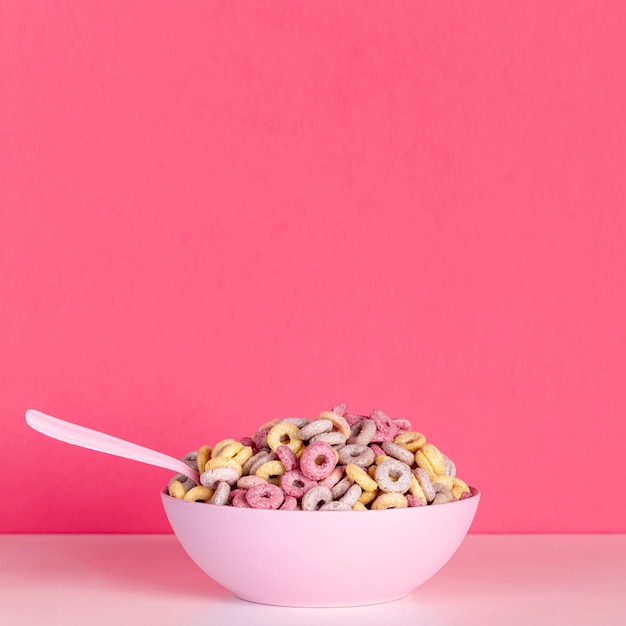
{"x":333,"y":478}
{"x":289,"y":504}
{"x":340,"y":409}
{"x":386,"y":430}
{"x":260,"y":436}
{"x":265,"y":496}
{"x":295,"y":483}
{"x":239,"y":499}
{"x":287,"y":457}
{"x":353,"y":419}
{"x":378,"y":451}
{"x":318,"y":460}
{"x":316,"y":498}
{"x":413,"y":501}
{"x":402,"y":424}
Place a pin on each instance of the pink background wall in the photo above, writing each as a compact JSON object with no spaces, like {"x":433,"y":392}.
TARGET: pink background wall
{"x":215,"y":213}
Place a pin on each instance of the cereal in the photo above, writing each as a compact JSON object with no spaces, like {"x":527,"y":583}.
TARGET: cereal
{"x":284,"y":434}
{"x":287,"y":457}
{"x":265,"y":497}
{"x":339,"y":422}
{"x":315,"y":427}
{"x":221,"y":493}
{"x":393,"y":476}
{"x":390,"y":501}
{"x":295,"y":483}
{"x":315,"y":498}
{"x":339,"y":461}
{"x":318,"y":460}
{"x":398,"y":452}
{"x":358,"y":454}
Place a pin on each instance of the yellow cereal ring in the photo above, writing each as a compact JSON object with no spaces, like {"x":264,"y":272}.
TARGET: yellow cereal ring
{"x":459,"y":487}
{"x":204,"y":454}
{"x":243,"y":455}
{"x":367,"y":496}
{"x":412,"y":441}
{"x":176,"y":490}
{"x":392,"y":500}
{"x":220,"y":462}
{"x":416,"y":489}
{"x":271,"y":469}
{"x":199,"y":493}
{"x":217,"y":449}
{"x":380,"y":459}
{"x":284,"y":434}
{"x":371,"y":470}
{"x":300,"y":452}
{"x":359,"y":506}
{"x":230,"y":451}
{"x":443,"y":479}
{"x":429,"y":458}
{"x":339,"y":422}
{"x":361,"y":477}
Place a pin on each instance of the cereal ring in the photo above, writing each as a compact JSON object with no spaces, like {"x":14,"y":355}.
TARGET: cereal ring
{"x":212,"y":476}
{"x":416,"y":489}
{"x":444,"y":495}
{"x":295,"y":483}
{"x":227,"y":448}
{"x":289,"y":504}
{"x":357,"y":506}
{"x":429,"y":457}
{"x":413,"y":501}
{"x":402,"y":424}
{"x":333,"y":438}
{"x":316,"y":427}
{"x":335,"y":506}
{"x":459,"y":487}
{"x":220,"y":496}
{"x":386,"y":430}
{"x":185,"y":481}
{"x":358,"y":454}
{"x":353,"y":419}
{"x":247,"y":441}
{"x":191,"y":459}
{"x":362,"y":432}
{"x":371,"y":470}
{"x":287,"y":457}
{"x":198,"y":494}
{"x":393,"y":476}
{"x":450,"y":466}
{"x":221,"y":462}
{"x":465,"y":495}
{"x":411,"y":440}
{"x":351,"y":497}
{"x":339,"y":422}
{"x":389,"y":501}
{"x":243,"y":455}
{"x":361,"y":477}
{"x":340,"y":409}
{"x":270,"y":470}
{"x":381,"y":459}
{"x":239,"y":499}
{"x":315,"y":498}
{"x":333,"y":478}
{"x":368,"y":496}
{"x":443,"y":480}
{"x":398,"y":452}
{"x":269,"y":456}
{"x":425,"y":483}
{"x":341,"y":488}
{"x":265,"y":497}
{"x":254,"y":458}
{"x":300,"y":422}
{"x":247,"y":482}
{"x":284,"y":434}
{"x":377,"y":450}
{"x":318,"y":460}
{"x":260,"y":436}
{"x":204,"y":454}
{"x":176,"y":489}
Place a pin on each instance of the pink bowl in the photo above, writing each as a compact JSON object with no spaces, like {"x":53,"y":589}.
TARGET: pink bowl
{"x":320,"y":558}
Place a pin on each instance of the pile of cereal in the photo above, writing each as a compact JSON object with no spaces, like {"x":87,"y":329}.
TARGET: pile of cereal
{"x":337,"y":462}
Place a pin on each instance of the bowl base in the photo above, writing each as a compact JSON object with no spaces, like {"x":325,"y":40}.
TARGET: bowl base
{"x":322,"y":604}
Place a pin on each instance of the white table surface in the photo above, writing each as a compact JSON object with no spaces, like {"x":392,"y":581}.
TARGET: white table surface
{"x":507,"y":580}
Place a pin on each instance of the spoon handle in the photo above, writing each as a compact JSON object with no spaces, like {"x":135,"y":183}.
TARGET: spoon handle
{"x":101,"y":442}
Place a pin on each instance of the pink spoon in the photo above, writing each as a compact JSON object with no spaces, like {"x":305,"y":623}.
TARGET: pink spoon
{"x":101,"y":442}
